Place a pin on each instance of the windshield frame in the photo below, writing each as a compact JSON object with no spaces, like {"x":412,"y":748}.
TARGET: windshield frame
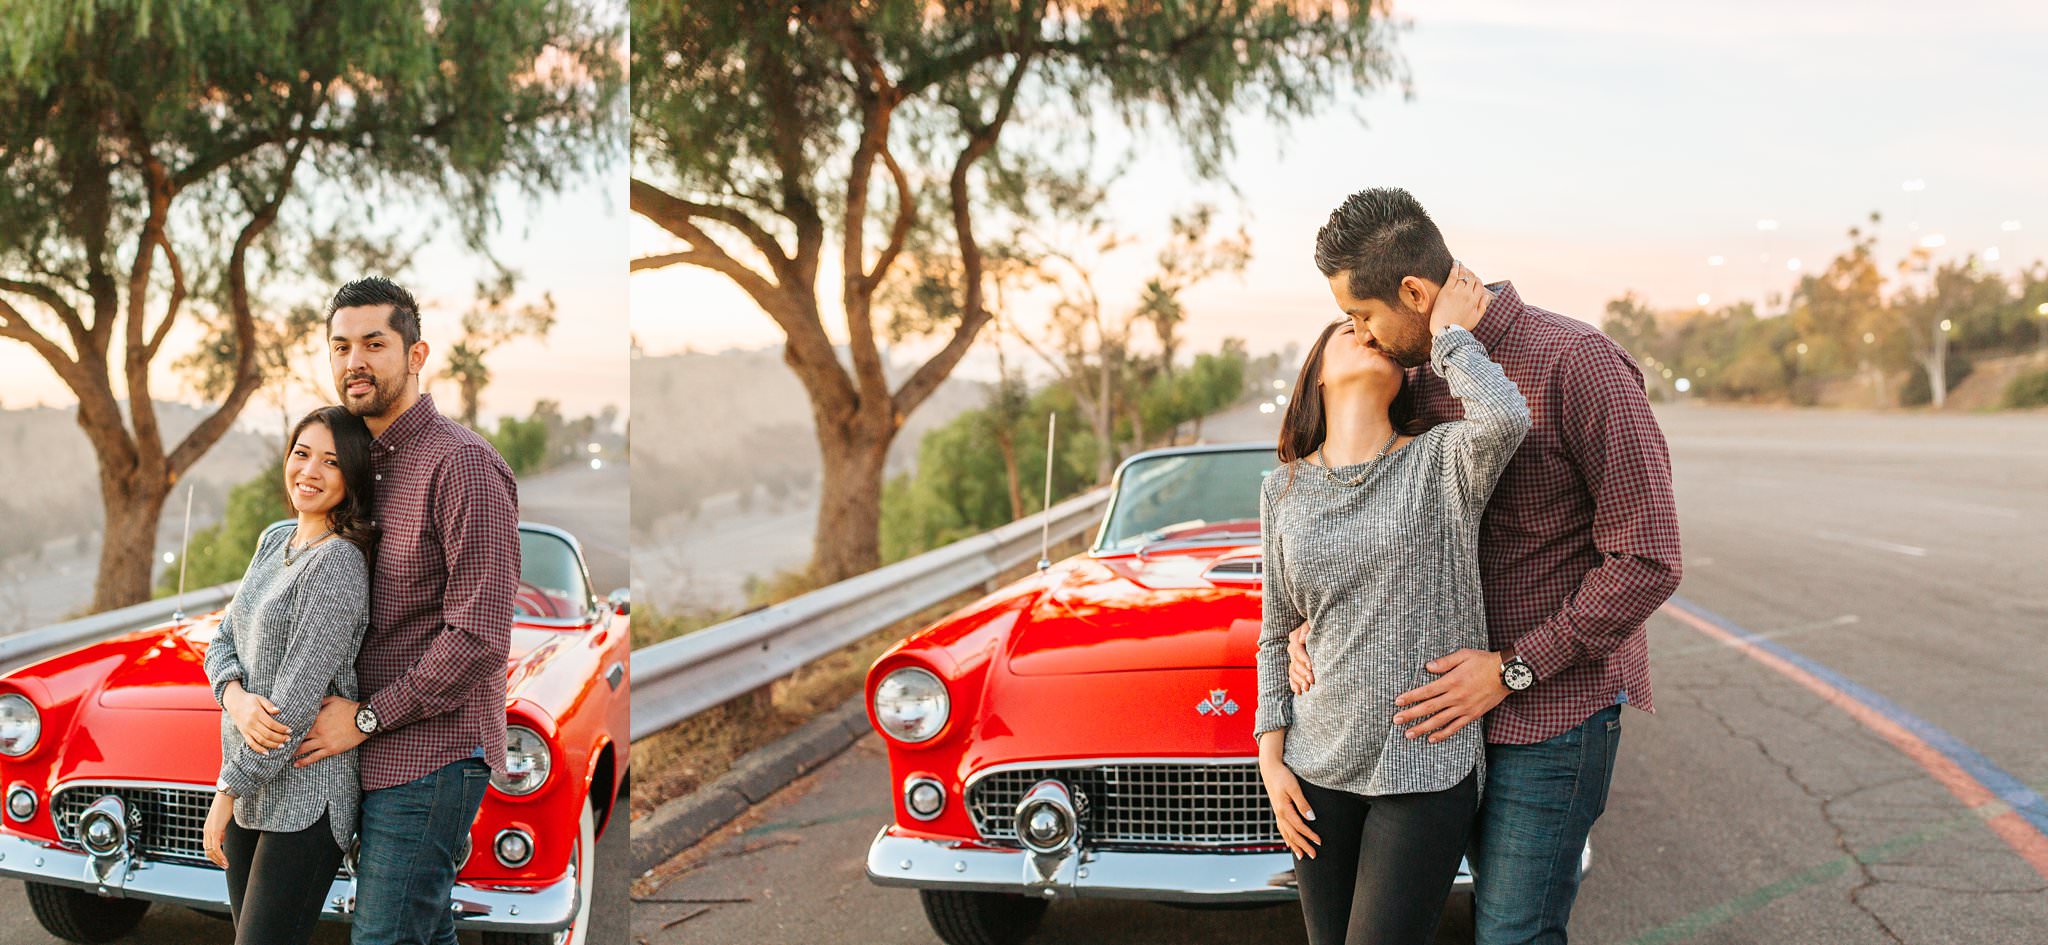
{"x":1100,"y":546}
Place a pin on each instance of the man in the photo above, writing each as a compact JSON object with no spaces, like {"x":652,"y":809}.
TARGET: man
{"x":1578,"y":546}
{"x":432,"y":666}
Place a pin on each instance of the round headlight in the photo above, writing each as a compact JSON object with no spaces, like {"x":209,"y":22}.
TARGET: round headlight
{"x":911,"y":704}
{"x":20,"y":725}
{"x":924,"y":797}
{"x":21,"y":802}
{"x":514,"y":847}
{"x":527,"y":761}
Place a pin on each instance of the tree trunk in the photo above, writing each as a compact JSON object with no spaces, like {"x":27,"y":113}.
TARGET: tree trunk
{"x":128,"y":548}
{"x":848,"y":539}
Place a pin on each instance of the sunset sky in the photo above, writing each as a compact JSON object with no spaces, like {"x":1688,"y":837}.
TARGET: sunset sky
{"x":1586,"y":149}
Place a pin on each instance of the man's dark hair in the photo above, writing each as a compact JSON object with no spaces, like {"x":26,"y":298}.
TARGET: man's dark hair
{"x":1382,"y":236}
{"x":377,"y":290}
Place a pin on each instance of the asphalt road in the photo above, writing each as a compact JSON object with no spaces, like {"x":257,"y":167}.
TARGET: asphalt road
{"x":1899,"y":553}
{"x":590,"y":504}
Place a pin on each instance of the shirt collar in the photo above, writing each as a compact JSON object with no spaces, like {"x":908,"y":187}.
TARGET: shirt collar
{"x":409,"y":424}
{"x":1499,"y":316}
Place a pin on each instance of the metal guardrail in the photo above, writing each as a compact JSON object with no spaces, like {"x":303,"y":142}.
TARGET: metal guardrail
{"x":676,"y":679}
{"x":42,"y":643}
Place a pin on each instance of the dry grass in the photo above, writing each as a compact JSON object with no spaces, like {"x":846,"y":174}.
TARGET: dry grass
{"x":677,"y":761}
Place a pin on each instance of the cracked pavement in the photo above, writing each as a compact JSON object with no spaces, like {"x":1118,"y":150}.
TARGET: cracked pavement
{"x":1748,"y":810}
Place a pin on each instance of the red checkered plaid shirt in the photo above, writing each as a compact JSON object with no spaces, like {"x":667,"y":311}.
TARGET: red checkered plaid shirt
{"x":1579,"y":544}
{"x":433,"y":663}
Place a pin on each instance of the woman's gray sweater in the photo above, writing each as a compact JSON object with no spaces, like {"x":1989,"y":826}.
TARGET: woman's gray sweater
{"x":291,"y":636}
{"x":1387,"y":575}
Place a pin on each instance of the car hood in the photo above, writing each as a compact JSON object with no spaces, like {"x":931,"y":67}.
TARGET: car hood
{"x":1131,"y":613}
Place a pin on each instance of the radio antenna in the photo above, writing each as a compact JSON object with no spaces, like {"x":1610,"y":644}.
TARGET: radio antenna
{"x":1052,"y":424}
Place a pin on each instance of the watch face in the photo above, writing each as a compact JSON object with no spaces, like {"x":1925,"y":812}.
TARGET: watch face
{"x":366,"y":720}
{"x":1518,"y":676}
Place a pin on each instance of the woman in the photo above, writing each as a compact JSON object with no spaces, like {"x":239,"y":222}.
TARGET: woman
{"x":1370,"y":535}
{"x":289,"y":640}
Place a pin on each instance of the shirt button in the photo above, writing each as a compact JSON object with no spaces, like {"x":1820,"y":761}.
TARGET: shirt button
{"x":380,"y":477}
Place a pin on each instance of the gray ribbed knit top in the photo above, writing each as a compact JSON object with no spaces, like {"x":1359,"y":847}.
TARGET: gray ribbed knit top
{"x":291,"y":636}
{"x":1387,"y":575}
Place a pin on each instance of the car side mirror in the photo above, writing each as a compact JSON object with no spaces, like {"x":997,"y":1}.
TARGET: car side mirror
{"x":621,"y":601}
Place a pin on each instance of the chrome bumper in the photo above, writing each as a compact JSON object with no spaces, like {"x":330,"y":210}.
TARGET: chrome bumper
{"x":1195,"y":876}
{"x":490,"y":908}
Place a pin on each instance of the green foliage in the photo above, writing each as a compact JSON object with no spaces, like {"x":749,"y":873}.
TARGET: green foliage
{"x":961,"y":485}
{"x":221,"y":553}
{"x":523,"y":443}
{"x":1847,"y":320}
{"x":2028,"y":390}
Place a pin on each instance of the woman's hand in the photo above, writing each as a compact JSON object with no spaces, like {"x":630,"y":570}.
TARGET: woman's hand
{"x":216,"y":832}
{"x":1283,"y":791}
{"x":255,"y":718}
{"x":1300,"y":673}
{"x":1461,"y":302}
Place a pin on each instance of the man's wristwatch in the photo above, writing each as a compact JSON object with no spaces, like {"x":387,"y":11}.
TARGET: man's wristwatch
{"x":366,"y":720}
{"x":1515,"y":674}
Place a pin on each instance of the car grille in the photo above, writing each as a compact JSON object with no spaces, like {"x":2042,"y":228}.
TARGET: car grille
{"x":173,"y":819}
{"x":1139,"y":806}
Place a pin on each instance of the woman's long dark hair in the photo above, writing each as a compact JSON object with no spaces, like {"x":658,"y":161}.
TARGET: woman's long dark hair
{"x":1303,"y":427}
{"x":350,"y":518}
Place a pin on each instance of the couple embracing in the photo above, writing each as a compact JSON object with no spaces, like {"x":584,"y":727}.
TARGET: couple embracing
{"x":361,"y":667}
{"x":1472,"y":522}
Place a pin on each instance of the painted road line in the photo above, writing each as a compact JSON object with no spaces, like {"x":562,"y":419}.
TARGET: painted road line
{"x":1780,"y":633}
{"x":1914,"y":551}
{"x":1975,"y":780}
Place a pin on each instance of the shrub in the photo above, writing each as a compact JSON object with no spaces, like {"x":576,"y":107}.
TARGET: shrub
{"x":2028,"y":390}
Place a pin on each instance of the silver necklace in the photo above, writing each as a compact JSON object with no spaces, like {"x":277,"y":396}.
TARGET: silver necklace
{"x":1370,"y":465}
{"x":290,"y":558}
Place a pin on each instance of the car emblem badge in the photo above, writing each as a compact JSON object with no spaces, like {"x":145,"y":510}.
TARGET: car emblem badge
{"x":1218,"y":703}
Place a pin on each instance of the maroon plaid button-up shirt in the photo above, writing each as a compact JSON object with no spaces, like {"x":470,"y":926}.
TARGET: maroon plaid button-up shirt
{"x":1579,"y":544}
{"x":433,"y":663}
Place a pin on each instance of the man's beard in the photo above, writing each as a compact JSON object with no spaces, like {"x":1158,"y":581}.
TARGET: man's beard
{"x":1411,"y":350}
{"x":378,"y":401}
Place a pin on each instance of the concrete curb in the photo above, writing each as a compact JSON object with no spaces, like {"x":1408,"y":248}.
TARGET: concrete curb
{"x":679,"y":824}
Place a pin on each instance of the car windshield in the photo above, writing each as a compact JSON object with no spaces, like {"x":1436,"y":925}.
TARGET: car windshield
{"x":551,"y":582}
{"x":1186,"y":494}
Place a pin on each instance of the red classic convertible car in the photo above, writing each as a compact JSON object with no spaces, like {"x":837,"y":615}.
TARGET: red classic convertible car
{"x":108,"y":756}
{"x":1087,"y":731}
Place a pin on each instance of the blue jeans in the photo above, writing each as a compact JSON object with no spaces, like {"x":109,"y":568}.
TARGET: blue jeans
{"x":1540,"y":803}
{"x":411,"y":834}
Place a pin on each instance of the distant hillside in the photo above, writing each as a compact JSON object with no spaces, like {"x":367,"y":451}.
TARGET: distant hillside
{"x":51,"y":489}
{"x":708,"y":424}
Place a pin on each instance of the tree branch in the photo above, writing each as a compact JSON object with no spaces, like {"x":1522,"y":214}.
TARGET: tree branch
{"x":973,"y":314}
{"x":667,"y":210}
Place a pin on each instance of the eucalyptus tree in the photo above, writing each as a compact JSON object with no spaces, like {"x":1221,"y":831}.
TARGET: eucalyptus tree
{"x":764,"y":132}
{"x":161,"y":159}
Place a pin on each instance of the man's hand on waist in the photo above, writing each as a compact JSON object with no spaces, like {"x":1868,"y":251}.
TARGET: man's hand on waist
{"x":1468,"y":686}
{"x":334,"y":731}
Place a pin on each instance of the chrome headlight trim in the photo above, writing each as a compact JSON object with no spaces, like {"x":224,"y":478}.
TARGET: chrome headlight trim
{"x":911,"y":704}
{"x":909,"y":789}
{"x":16,"y":795}
{"x":498,"y":847}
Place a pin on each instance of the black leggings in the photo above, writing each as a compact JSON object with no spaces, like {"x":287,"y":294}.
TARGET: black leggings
{"x":277,"y":881}
{"x":1385,"y":864}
